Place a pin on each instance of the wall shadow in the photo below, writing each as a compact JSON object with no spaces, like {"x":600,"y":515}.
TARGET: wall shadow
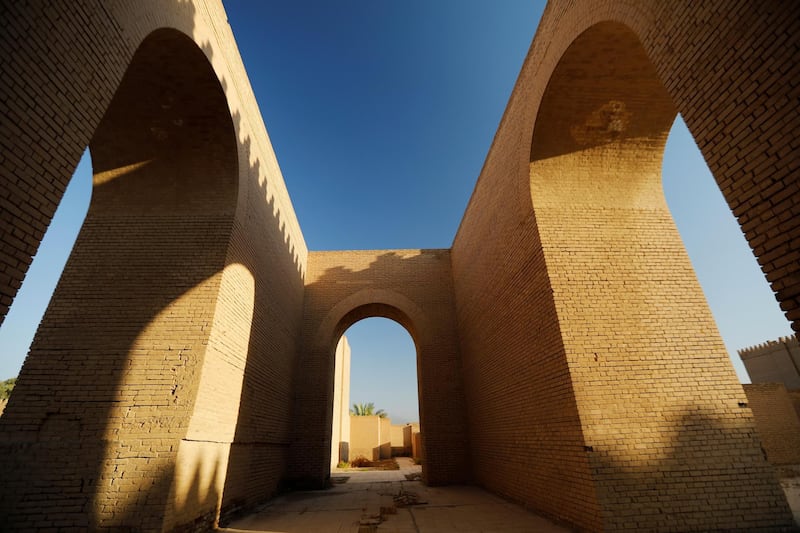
{"x":728,"y":495}
{"x":113,"y":376}
{"x":413,"y":288}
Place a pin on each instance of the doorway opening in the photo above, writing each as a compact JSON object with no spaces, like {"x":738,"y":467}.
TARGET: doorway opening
{"x":375,"y":397}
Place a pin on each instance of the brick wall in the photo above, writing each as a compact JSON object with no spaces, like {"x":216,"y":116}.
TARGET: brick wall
{"x":572,"y":286}
{"x":594,"y":380}
{"x":412,"y":287}
{"x":774,"y":362}
{"x":370,"y":437}
{"x":177,"y":315}
{"x":777,"y":422}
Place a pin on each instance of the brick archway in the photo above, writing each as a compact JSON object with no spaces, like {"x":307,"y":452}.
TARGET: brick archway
{"x":578,"y":369}
{"x":412,"y":288}
{"x":112,"y":378}
{"x":629,"y":306}
{"x":601,"y":316}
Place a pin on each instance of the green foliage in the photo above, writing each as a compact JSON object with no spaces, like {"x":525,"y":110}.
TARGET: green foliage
{"x":367,"y":409}
{"x":343,"y":464}
{"x":6,"y":387}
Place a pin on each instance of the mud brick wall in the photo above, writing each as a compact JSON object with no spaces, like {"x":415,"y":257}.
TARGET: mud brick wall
{"x":774,"y":362}
{"x":176,"y":319}
{"x":563,"y":340}
{"x":414,"y":288}
{"x":572,"y":286}
{"x":777,"y":422}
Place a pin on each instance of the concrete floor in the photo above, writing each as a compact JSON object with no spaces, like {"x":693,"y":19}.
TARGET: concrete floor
{"x":385,"y":501}
{"x":790,"y":482}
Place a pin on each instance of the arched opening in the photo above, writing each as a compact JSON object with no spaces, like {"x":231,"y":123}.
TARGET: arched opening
{"x":739,"y":296}
{"x":651,"y":378}
{"x":375,"y":396}
{"x":25,"y":314}
{"x":133,"y":308}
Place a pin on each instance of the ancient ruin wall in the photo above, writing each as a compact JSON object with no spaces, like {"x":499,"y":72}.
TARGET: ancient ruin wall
{"x":592,"y":307}
{"x":176,"y":319}
{"x":777,"y":422}
{"x":774,"y":362}
{"x":412,"y":287}
{"x":590,"y":364}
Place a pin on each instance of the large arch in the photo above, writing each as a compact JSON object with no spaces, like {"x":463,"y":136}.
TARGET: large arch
{"x":224,"y":302}
{"x":132,"y":311}
{"x":413,"y":288}
{"x":607,"y":341}
{"x":505,"y":308}
{"x":629,"y":306}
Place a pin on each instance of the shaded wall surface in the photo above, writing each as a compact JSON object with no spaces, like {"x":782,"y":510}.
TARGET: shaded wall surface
{"x":777,"y":422}
{"x":566,"y":357}
{"x":175,"y":321}
{"x":572,"y":286}
{"x":412,"y":287}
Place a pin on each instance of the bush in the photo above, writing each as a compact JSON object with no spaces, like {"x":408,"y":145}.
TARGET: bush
{"x":360,"y":462}
{"x":6,"y":387}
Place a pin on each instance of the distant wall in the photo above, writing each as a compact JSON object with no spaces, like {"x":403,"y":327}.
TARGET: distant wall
{"x":417,"y":451}
{"x":370,"y":437}
{"x":340,"y":436}
{"x":774,"y":362}
{"x":413,"y":288}
{"x":398,"y":445}
{"x":795,"y":397}
{"x":776,"y":420}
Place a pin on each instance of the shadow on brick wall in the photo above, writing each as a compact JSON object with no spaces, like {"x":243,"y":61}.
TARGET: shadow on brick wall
{"x":413,"y":288}
{"x":92,"y":433}
{"x":690,"y":481}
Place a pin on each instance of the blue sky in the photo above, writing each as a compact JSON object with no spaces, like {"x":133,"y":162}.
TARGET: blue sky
{"x":381,"y":114}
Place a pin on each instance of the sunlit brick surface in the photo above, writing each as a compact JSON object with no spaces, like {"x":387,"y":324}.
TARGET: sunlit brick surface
{"x":777,"y":421}
{"x":598,"y":389}
{"x":566,"y":355}
{"x":158,"y":390}
{"x":414,"y":288}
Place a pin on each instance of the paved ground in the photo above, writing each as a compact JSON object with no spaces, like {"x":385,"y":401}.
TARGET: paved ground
{"x":790,"y":481}
{"x":385,"y":501}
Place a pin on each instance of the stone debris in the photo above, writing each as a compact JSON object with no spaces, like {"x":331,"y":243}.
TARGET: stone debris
{"x":407,"y":499}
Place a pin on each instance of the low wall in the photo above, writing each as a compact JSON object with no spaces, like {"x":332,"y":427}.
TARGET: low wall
{"x":776,"y":421}
{"x":417,"y":451}
{"x":370,"y":437}
{"x":397,"y":440}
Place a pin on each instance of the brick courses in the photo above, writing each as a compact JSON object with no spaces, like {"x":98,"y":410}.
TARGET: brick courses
{"x":566,"y":356}
{"x":412,"y":287}
{"x":577,"y":307}
{"x":777,"y":421}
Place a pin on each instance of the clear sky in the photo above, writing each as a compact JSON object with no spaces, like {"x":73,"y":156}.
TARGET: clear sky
{"x":381,"y":114}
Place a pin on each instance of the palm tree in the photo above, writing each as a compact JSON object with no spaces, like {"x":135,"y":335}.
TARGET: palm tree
{"x":367,"y":409}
